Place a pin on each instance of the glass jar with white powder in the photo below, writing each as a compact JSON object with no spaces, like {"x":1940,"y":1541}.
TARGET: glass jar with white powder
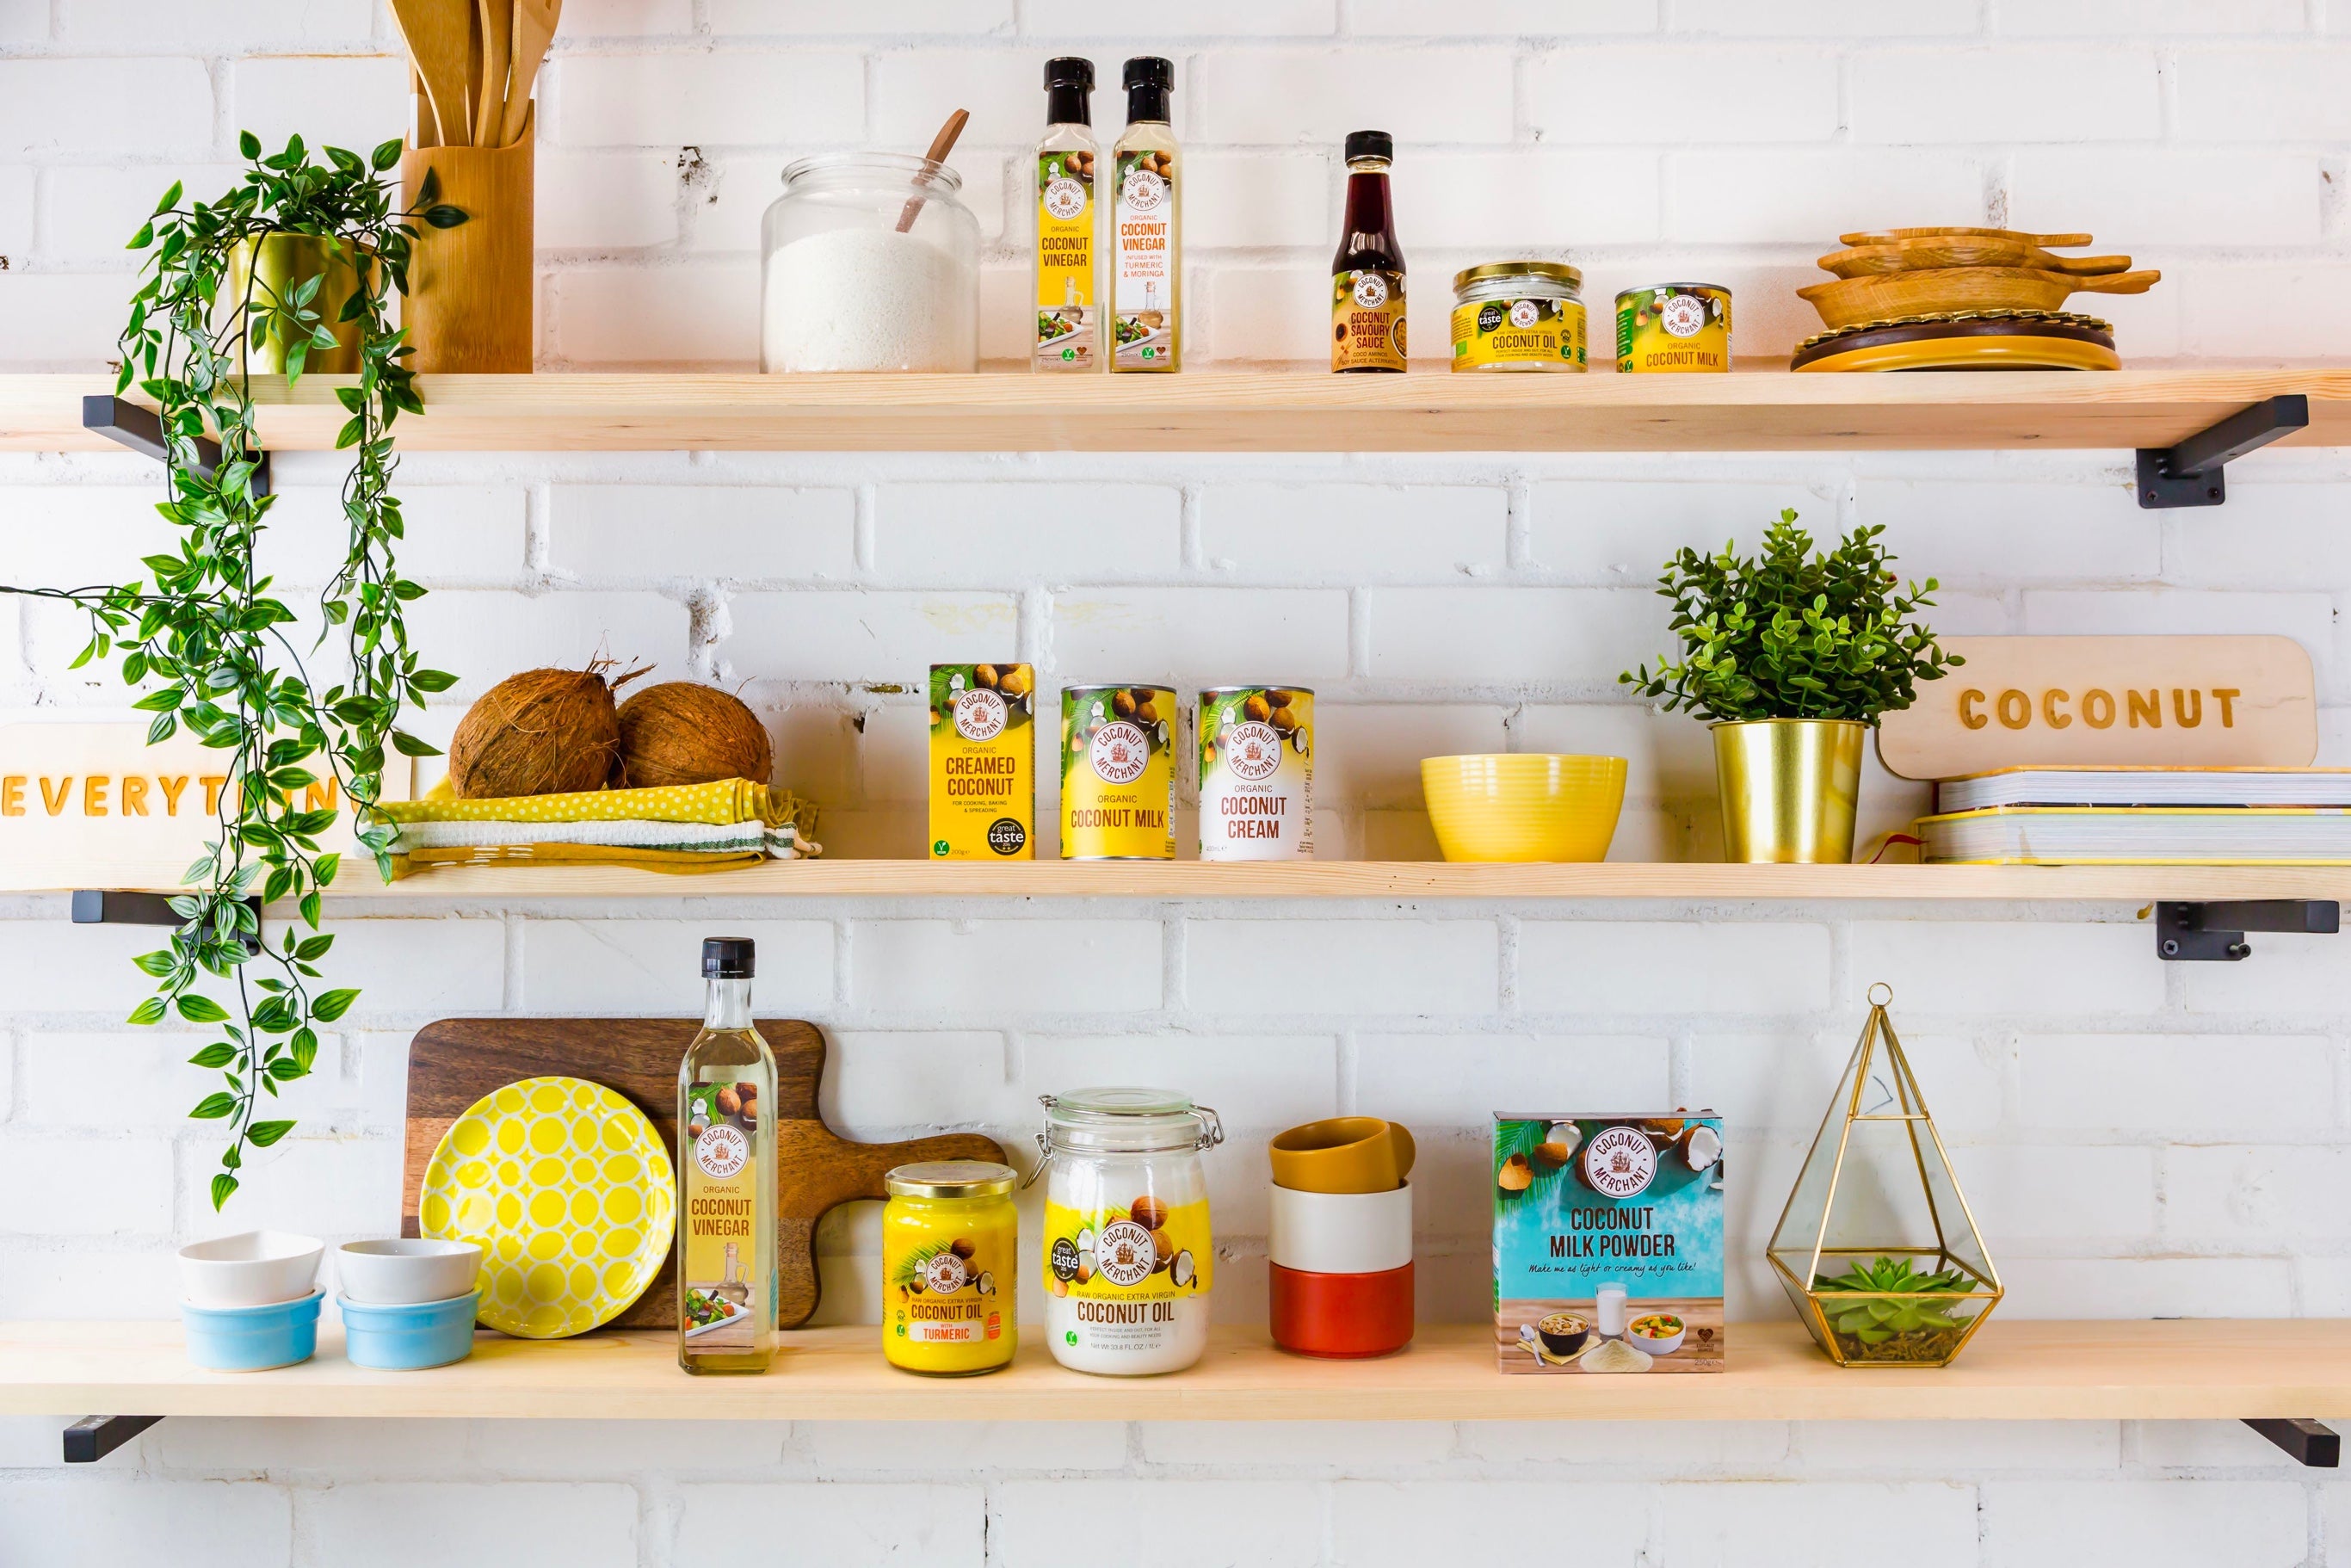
{"x":871,"y":262}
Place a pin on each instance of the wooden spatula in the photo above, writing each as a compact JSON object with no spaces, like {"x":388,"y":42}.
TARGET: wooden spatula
{"x":495,"y":24}
{"x":534,"y":29}
{"x":436,"y":31}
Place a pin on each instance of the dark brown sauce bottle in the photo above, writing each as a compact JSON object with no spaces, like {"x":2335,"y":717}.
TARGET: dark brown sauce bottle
{"x":1367,"y":315}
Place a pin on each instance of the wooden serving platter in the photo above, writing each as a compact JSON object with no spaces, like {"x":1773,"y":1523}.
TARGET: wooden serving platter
{"x":455,"y":1061}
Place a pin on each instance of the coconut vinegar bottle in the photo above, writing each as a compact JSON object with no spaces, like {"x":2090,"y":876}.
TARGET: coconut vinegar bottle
{"x":726,"y":1177}
{"x":1069,"y":314}
{"x":1147,"y":237}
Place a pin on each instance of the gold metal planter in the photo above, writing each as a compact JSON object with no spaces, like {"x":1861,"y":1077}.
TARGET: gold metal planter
{"x":285,"y":262}
{"x":1788,"y":789}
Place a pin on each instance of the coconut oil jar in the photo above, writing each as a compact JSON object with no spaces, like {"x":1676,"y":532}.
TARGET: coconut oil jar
{"x":949,"y":1236}
{"x":1126,"y":1248}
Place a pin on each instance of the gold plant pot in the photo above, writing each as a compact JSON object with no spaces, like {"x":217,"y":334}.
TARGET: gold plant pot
{"x":285,"y":262}
{"x":1788,"y":789}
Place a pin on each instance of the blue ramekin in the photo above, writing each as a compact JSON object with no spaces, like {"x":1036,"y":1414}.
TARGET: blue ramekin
{"x":410,"y":1336}
{"x":252,"y":1339}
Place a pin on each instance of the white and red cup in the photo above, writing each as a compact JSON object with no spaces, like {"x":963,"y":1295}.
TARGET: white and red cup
{"x":1342,"y":1272}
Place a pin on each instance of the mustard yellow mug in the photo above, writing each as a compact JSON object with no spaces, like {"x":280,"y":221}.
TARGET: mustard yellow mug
{"x":1342,"y":1154}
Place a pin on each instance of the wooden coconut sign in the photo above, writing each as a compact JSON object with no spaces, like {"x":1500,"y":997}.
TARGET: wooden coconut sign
{"x":93,"y":805}
{"x":2103,"y":702}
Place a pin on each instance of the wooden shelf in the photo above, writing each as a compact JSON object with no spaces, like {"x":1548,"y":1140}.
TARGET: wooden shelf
{"x":1325,"y":879}
{"x":1261,"y":411}
{"x":2210,"y":1370}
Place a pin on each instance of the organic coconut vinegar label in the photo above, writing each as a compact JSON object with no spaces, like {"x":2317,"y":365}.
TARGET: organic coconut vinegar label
{"x":1069,"y":325}
{"x":1147,"y":253}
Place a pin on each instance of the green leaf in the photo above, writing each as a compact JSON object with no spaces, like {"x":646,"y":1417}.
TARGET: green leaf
{"x":332,"y":1005}
{"x":385,"y":155}
{"x":198,"y":1008}
{"x":151,"y":1010}
{"x":159,"y":963}
{"x":248,"y":144}
{"x":261,"y":1134}
{"x":213,"y":1106}
{"x":446,"y":217}
{"x":220,"y":1053}
{"x":223,"y":1185}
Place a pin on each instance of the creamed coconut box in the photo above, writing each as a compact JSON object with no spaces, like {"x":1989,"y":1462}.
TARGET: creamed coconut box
{"x":983,"y":762}
{"x":1608,"y":1243}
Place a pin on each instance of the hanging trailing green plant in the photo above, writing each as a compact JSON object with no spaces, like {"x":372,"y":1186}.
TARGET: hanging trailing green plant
{"x":201,"y":630}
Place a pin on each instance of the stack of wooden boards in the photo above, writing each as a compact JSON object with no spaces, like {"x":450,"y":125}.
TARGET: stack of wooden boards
{"x":1962,"y":298}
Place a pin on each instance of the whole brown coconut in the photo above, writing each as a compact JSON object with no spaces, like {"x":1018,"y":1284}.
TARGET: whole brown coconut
{"x":683,"y":732}
{"x":543,"y":732}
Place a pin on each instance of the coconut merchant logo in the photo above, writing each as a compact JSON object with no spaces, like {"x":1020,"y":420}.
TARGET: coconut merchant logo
{"x":1524,"y":313}
{"x":1125,"y":1254}
{"x":1620,"y":1162}
{"x":1371,"y":290}
{"x":945,"y":1273}
{"x":1683,"y":315}
{"x":1145,"y":189}
{"x":979,"y":714}
{"x":1256,"y":751}
{"x":1119,"y":752}
{"x":722,"y":1150}
{"x":1064,"y":198}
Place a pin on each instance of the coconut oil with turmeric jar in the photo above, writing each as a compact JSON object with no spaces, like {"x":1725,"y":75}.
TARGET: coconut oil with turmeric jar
{"x":950,"y":1242}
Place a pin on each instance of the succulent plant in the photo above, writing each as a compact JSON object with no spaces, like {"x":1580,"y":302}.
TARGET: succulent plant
{"x":1874,"y":1320}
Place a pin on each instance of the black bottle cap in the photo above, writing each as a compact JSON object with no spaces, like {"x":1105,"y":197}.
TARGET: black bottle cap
{"x":1370,"y":144}
{"x":726,"y":957}
{"x":1069,"y":90}
{"x":1149,"y":81}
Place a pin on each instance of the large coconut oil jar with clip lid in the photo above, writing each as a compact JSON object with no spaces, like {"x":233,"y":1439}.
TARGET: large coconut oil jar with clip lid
{"x":1127,"y":1255}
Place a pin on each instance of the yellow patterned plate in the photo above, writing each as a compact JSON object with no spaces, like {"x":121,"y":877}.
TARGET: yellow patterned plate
{"x":569,"y":1195}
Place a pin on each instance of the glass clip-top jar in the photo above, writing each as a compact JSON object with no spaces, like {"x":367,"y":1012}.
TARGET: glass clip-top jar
{"x":869,"y":262}
{"x":1128,"y":1254}
{"x":950,"y":1243}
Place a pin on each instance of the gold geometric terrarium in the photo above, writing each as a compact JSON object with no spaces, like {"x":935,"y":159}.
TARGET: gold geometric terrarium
{"x":1876,"y":1249}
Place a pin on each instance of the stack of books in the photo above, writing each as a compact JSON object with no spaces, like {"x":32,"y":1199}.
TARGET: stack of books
{"x":2142,"y":816}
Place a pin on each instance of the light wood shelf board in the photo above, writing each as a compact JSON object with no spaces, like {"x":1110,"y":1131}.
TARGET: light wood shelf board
{"x":1691,"y":882}
{"x":1259,"y":411}
{"x":2210,"y":1370}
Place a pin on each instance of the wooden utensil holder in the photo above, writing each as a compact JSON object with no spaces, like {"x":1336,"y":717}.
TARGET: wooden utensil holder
{"x":471,"y":288}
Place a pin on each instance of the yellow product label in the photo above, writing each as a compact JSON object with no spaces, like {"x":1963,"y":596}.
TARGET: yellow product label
{"x":1142,"y":263}
{"x":1257,"y":773}
{"x":1673,"y":327}
{"x":983,"y":762}
{"x":947,"y":1267}
{"x":1141,"y":1260}
{"x":719,"y":1213}
{"x":1118,"y":774}
{"x":1067,"y":321}
{"x":1543,"y":333}
{"x":1367,"y":320}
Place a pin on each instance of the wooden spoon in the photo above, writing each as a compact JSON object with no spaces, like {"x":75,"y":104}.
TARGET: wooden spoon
{"x":940,"y":145}
{"x":437,"y":33}
{"x":497,"y":35}
{"x":534,"y":29}
{"x":1923,"y":255}
{"x":1894,"y":237}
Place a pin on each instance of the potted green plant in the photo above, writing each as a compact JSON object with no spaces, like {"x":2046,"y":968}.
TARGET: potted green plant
{"x":291,"y":270}
{"x":1792,"y":656}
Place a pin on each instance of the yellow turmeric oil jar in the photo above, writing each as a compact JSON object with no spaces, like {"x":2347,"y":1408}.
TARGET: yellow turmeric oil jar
{"x":950,"y":1243}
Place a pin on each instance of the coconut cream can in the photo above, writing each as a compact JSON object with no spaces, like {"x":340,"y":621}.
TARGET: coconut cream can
{"x":1257,"y":773}
{"x":1118,"y":773}
{"x":1127,"y":1257}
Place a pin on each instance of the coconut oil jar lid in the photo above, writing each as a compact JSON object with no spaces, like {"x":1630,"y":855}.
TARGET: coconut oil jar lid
{"x":1557,"y":273}
{"x":951,"y":1178}
{"x":1126,"y":1121}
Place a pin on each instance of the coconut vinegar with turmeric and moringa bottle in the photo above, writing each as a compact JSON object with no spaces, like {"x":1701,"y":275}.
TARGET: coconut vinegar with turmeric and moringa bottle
{"x":726,"y":1177}
{"x":1147,"y":225}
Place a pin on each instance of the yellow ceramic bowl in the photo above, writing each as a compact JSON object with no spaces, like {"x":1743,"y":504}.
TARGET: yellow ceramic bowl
{"x":1523,"y":808}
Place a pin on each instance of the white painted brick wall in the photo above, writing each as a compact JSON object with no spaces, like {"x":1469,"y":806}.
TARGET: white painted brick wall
{"x":2137,"y":1140}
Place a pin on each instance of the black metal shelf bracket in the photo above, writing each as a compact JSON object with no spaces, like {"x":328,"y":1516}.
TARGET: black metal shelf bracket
{"x":141,"y":430}
{"x":2190,"y":474}
{"x":93,"y":1437}
{"x":95,"y":907}
{"x":2311,"y":1443}
{"x":2215,"y":933}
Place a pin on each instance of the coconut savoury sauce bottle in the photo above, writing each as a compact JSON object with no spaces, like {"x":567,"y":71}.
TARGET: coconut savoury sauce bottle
{"x":726,"y":1177}
{"x":1146,"y":239}
{"x":1367,"y":275}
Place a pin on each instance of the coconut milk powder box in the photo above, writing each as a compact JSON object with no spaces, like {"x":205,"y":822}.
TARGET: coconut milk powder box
{"x":1608,"y":1243}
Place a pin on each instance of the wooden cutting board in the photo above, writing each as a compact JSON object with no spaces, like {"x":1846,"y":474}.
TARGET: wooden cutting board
{"x":454,"y":1062}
